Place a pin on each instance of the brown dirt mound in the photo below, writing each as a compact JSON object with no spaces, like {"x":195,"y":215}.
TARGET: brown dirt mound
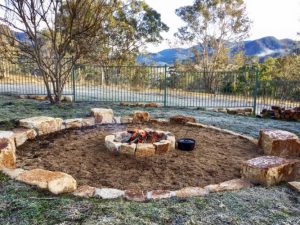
{"x":82,"y":154}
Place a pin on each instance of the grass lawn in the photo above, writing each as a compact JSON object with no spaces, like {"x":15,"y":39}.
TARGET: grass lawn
{"x":22,"y":204}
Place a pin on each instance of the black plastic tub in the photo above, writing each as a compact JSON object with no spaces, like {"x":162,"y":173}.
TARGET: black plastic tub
{"x":186,"y":144}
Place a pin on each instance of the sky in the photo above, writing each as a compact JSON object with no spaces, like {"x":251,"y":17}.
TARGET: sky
{"x":278,"y":18}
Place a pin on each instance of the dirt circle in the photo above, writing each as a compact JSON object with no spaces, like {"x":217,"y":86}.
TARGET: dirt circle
{"x":82,"y":154}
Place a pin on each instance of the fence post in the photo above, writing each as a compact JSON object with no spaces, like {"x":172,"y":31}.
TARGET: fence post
{"x":165,"y":87}
{"x":73,"y":83}
{"x":255,"y":91}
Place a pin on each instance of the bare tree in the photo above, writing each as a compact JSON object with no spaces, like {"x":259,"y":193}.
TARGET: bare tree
{"x":57,"y":33}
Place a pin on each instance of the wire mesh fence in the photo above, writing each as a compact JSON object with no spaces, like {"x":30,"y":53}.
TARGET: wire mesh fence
{"x":160,"y":84}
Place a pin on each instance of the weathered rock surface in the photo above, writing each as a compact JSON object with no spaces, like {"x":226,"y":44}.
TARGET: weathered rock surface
{"x":160,"y":194}
{"x":73,"y":123}
{"x":144,"y":150}
{"x":135,"y":195}
{"x":109,"y":193}
{"x":162,"y":147}
{"x":21,"y":135}
{"x":55,"y":182}
{"x":180,"y":119}
{"x":88,"y":122}
{"x":7,"y":150}
{"x":103,"y":116}
{"x":239,"y":111}
{"x":231,"y":185}
{"x":140,"y":117}
{"x":42,"y":124}
{"x":191,"y":192}
{"x":279,"y":143}
{"x":126,"y":119}
{"x":12,"y":173}
{"x":85,"y":191}
{"x":152,"y":105}
{"x":111,"y":145}
{"x":295,"y":185}
{"x":127,"y":149}
{"x":159,"y":121}
{"x":269,"y":170}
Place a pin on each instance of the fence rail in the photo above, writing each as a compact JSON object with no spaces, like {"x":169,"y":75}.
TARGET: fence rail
{"x":161,"y":84}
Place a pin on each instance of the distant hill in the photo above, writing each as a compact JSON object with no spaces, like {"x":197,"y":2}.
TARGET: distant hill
{"x":262,"y":48}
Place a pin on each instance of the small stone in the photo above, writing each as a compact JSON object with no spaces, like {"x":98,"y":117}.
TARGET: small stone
{"x":179,"y":119}
{"x":23,"y":134}
{"x":159,"y":194}
{"x":103,"y":116}
{"x":55,"y":182}
{"x":279,"y":143}
{"x":42,"y":124}
{"x":128,"y":149}
{"x":162,"y":147}
{"x":144,"y":150}
{"x":73,"y":123}
{"x":191,"y":192}
{"x":126,"y":119}
{"x":269,"y":170}
{"x":85,"y":191}
{"x":295,"y":185}
{"x":88,"y":122}
{"x":141,"y":117}
{"x":12,"y":173}
{"x":109,"y":193}
{"x":135,"y":195}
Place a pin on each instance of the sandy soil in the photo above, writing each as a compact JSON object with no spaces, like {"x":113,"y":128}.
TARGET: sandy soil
{"x":82,"y":154}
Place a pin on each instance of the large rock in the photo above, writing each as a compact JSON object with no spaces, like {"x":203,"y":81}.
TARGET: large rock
{"x":279,"y":143}
{"x":88,"y":122}
{"x":179,"y":119}
{"x":109,"y":193}
{"x":295,"y":185}
{"x":7,"y":150}
{"x":85,"y":191}
{"x":144,"y":150}
{"x":191,"y":192}
{"x":12,"y":173}
{"x":103,"y":116}
{"x":135,"y":195}
{"x":231,"y":185}
{"x":73,"y":123}
{"x":23,"y":134}
{"x":140,"y":117}
{"x":55,"y":182}
{"x":42,"y":124}
{"x":269,"y":170}
{"x":162,"y":147}
{"x":160,"y":194}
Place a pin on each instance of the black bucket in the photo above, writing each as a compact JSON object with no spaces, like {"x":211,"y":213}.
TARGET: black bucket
{"x":186,"y":144}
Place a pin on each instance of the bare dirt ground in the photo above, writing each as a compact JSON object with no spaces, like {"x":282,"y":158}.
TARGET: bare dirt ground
{"x":81,"y":153}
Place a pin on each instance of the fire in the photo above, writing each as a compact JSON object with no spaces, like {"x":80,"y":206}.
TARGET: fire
{"x":142,"y":136}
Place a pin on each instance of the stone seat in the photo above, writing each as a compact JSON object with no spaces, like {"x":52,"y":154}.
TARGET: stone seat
{"x":269,"y":170}
{"x":279,"y":143}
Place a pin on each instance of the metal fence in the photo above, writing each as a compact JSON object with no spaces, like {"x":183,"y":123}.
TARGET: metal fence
{"x":161,"y":84}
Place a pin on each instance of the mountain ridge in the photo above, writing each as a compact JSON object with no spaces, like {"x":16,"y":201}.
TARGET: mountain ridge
{"x":268,"y":46}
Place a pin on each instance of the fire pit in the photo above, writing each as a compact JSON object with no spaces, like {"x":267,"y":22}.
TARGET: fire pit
{"x":140,"y":143}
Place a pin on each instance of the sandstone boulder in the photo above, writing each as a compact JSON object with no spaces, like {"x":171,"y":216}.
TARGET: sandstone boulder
{"x":103,"y":116}
{"x":55,"y":182}
{"x":127,"y":149}
{"x":140,"y":117}
{"x":23,"y":134}
{"x":231,"y":185}
{"x":152,"y":105}
{"x":191,"y":192}
{"x":12,"y":173}
{"x":73,"y":123}
{"x":126,"y":119}
{"x":295,"y":185}
{"x":135,"y":195}
{"x":7,"y":150}
{"x":42,"y":124}
{"x":85,"y":191}
{"x":279,"y":143}
{"x":160,"y":194}
{"x":88,"y":122}
{"x":269,"y":170}
{"x":109,"y":193}
{"x":179,"y":119}
{"x":144,"y":150}
{"x":162,"y":147}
